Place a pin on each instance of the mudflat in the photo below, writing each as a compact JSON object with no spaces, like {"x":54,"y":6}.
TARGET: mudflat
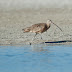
{"x":12,"y":22}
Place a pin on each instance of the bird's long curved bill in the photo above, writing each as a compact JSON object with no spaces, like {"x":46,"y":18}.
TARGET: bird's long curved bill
{"x":57,"y":26}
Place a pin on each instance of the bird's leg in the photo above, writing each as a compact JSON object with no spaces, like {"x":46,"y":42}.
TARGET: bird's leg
{"x":41,"y":36}
{"x":34,"y":36}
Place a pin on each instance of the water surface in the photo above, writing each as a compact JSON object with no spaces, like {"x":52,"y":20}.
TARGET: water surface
{"x":36,"y":58}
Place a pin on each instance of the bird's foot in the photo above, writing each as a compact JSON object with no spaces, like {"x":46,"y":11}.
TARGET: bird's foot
{"x":30,"y":43}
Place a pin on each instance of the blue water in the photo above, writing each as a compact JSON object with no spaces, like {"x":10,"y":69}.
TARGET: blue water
{"x":36,"y":58}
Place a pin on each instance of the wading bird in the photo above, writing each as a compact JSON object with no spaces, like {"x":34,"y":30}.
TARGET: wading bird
{"x":39,"y":28}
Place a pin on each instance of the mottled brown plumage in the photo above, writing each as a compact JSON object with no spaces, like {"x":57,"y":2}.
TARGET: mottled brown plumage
{"x":39,"y":28}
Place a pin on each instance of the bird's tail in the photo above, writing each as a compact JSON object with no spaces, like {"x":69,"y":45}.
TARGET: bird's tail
{"x":26,"y":30}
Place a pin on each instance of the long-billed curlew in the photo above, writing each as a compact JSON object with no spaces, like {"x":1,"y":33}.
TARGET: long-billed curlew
{"x":39,"y":28}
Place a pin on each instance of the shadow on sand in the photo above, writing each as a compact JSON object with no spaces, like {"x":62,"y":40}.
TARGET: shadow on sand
{"x":63,"y":41}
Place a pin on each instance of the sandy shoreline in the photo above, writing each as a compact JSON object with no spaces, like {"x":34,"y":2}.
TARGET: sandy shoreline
{"x":12,"y":23}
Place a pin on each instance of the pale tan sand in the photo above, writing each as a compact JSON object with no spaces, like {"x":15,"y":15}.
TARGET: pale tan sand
{"x":12,"y":22}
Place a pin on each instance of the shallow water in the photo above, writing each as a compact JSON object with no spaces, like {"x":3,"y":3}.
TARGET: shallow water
{"x":36,"y":58}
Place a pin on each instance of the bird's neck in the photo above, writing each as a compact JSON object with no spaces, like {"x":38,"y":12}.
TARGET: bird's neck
{"x":48,"y":25}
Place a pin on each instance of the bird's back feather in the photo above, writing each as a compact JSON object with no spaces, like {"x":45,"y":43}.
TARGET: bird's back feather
{"x":36,"y":28}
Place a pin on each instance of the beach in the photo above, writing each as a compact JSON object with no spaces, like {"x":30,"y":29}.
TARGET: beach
{"x":12,"y":22}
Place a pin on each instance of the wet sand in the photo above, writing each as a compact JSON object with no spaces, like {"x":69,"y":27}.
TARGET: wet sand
{"x":12,"y":22}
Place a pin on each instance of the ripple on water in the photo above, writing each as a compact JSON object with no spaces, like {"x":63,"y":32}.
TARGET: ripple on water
{"x":36,"y":58}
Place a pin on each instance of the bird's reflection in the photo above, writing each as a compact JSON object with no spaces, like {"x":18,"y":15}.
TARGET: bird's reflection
{"x":39,"y":47}
{"x":42,"y":53}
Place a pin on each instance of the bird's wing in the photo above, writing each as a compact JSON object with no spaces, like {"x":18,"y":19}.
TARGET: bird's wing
{"x":37,"y":27}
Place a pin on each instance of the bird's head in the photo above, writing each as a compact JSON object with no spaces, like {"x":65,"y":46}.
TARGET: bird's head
{"x":49,"y":22}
